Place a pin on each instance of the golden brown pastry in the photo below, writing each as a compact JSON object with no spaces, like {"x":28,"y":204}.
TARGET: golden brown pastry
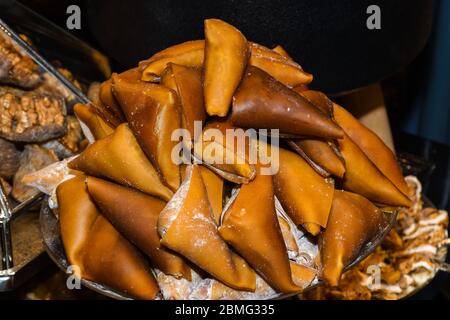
{"x":353,"y":221}
{"x":226,"y":55}
{"x":321,"y":155}
{"x":214,"y":188}
{"x":153,"y":114}
{"x":278,"y":66}
{"x":186,"y":225}
{"x":288,"y":236}
{"x":262,"y":102}
{"x":250,"y":226}
{"x":362,"y":176}
{"x":190,"y":53}
{"x":118,"y":157}
{"x":301,"y":275}
{"x":226,"y":157}
{"x":111,"y":260}
{"x":109,"y":101}
{"x":76,"y":214}
{"x":135,"y":215}
{"x":187,"y":82}
{"x":372,"y":146}
{"x":98,"y":127}
{"x":303,"y":193}
{"x":280,"y":50}
{"x":92,"y":244}
{"x":319,"y":100}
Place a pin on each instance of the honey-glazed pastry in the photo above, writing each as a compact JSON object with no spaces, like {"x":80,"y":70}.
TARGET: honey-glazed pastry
{"x":250,"y":226}
{"x":187,"y":82}
{"x":186,"y":225}
{"x":363,"y":177}
{"x":214,"y":188}
{"x":303,"y":193}
{"x":226,"y":55}
{"x":17,"y":68}
{"x":262,"y":102}
{"x":31,"y":116}
{"x":98,"y":127}
{"x":280,"y":50}
{"x":321,"y":155}
{"x":278,"y":66}
{"x":152,"y":111}
{"x":119,"y":157}
{"x":77,"y":213}
{"x":353,"y":221}
{"x":289,"y":239}
{"x":128,"y":271}
{"x":189,"y":53}
{"x":93,"y":245}
{"x":372,"y":146}
{"x":301,"y":275}
{"x":225,"y":154}
{"x":135,"y":215}
{"x":109,"y":101}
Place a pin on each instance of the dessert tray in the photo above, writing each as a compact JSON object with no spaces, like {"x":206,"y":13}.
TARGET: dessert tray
{"x":214,"y":172}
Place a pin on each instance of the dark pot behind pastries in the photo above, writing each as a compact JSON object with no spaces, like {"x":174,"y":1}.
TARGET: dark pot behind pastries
{"x":328,"y":38}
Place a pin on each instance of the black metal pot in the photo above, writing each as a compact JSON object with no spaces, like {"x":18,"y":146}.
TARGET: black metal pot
{"x":328,"y":38}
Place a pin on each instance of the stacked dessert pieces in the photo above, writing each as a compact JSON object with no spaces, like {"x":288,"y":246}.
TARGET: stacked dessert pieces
{"x":136,"y":221}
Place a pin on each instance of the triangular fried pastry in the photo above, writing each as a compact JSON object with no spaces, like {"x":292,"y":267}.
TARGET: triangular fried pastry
{"x":225,"y":154}
{"x":93,"y":245}
{"x":303,"y":193}
{"x":301,"y":275}
{"x":372,"y":146}
{"x":280,"y":50}
{"x":262,"y":102}
{"x":278,"y":66}
{"x":190,"y":53}
{"x":289,"y":239}
{"x":153,"y":114}
{"x":135,"y":215}
{"x":105,"y":113}
{"x":250,"y":226}
{"x":321,"y":155}
{"x":319,"y":100}
{"x":214,"y":188}
{"x":109,"y":101}
{"x":187,"y":82}
{"x":77,"y":214}
{"x":363,"y":176}
{"x":226,"y":55}
{"x":119,"y":157}
{"x":111,"y":260}
{"x":98,"y":127}
{"x":353,"y":221}
{"x":186,"y":225}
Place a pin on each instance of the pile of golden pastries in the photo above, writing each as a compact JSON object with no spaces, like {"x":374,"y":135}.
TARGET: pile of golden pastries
{"x":409,"y":257}
{"x":137,"y":222}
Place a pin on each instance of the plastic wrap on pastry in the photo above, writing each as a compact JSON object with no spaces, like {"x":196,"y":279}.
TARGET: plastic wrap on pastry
{"x":120,"y":158}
